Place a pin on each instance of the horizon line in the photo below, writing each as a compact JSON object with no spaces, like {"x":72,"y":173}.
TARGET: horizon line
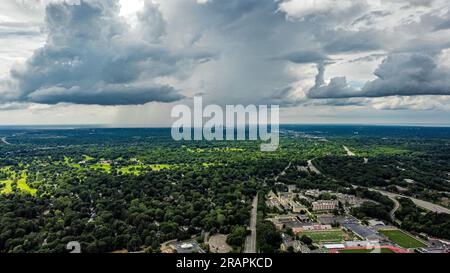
{"x":139,"y":126}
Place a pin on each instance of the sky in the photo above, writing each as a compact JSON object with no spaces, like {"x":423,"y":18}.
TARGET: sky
{"x":128,"y":62}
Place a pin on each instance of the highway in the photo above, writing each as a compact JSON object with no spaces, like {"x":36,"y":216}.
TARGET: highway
{"x":5,"y":141}
{"x":394,"y":199}
{"x":420,"y":203}
{"x":250,"y":242}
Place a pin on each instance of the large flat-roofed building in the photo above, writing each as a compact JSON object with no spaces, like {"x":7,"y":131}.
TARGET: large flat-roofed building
{"x":334,"y":246}
{"x":290,"y":221}
{"x":300,"y":229}
{"x":312,"y":193}
{"x":325,"y":205}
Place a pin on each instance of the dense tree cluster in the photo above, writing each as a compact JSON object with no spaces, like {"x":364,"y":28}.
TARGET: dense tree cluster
{"x":107,"y":213}
{"x":87,"y":191}
{"x":371,"y":210}
{"x":268,"y":238}
{"x":415,"y":219}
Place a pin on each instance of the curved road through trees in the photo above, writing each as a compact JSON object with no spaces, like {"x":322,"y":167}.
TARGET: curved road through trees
{"x":420,"y":203}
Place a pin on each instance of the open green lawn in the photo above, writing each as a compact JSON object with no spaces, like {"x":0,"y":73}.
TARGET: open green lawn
{"x":69,"y":162}
{"x":382,"y":250}
{"x":23,"y":186}
{"x":402,"y":239}
{"x":206,"y":164}
{"x":133,"y":169}
{"x":6,"y":187}
{"x":104,"y":167}
{"x":381,"y":150}
{"x":330,"y":236}
{"x":158,"y":167}
{"x":21,"y":182}
{"x":88,"y":158}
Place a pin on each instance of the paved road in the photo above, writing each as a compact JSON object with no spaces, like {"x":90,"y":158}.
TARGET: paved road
{"x":283,"y":172}
{"x":396,"y":207}
{"x":250,"y":242}
{"x":349,"y":153}
{"x":5,"y":141}
{"x":312,"y":167}
{"x":420,"y":203}
{"x":396,"y":203}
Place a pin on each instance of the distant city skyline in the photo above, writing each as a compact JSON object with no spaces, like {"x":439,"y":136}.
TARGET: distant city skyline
{"x":127,"y":63}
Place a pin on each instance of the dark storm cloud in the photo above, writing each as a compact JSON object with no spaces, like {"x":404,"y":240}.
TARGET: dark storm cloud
{"x":283,"y":97}
{"x":341,"y":102}
{"x":426,"y":3}
{"x":400,"y":74}
{"x":92,"y":57}
{"x":112,"y":94}
{"x":444,"y":25}
{"x":412,"y":63}
{"x":247,"y":34}
{"x":305,"y":56}
{"x":231,"y":11}
{"x":333,"y":29}
{"x":408,"y":75}
{"x":369,"y":58}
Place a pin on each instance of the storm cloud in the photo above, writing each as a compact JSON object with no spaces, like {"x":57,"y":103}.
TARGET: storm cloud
{"x":91,"y":56}
{"x":290,"y":52}
{"x":400,"y":74}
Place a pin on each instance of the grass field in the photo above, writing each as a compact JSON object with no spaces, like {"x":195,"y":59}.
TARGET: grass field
{"x":158,"y":167}
{"x":6,"y":186}
{"x":69,"y":162}
{"x":381,"y":150}
{"x":20,"y":180}
{"x":23,"y":186}
{"x":134,"y":170}
{"x":88,"y":158}
{"x":382,"y":250}
{"x":104,"y":167}
{"x":206,"y":164}
{"x":402,"y":239}
{"x":329,"y":236}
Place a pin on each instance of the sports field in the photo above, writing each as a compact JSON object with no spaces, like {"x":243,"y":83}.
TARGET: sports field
{"x":326,"y":236}
{"x":402,"y":239}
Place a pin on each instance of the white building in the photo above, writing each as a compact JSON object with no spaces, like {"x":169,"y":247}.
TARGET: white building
{"x":325,"y":205}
